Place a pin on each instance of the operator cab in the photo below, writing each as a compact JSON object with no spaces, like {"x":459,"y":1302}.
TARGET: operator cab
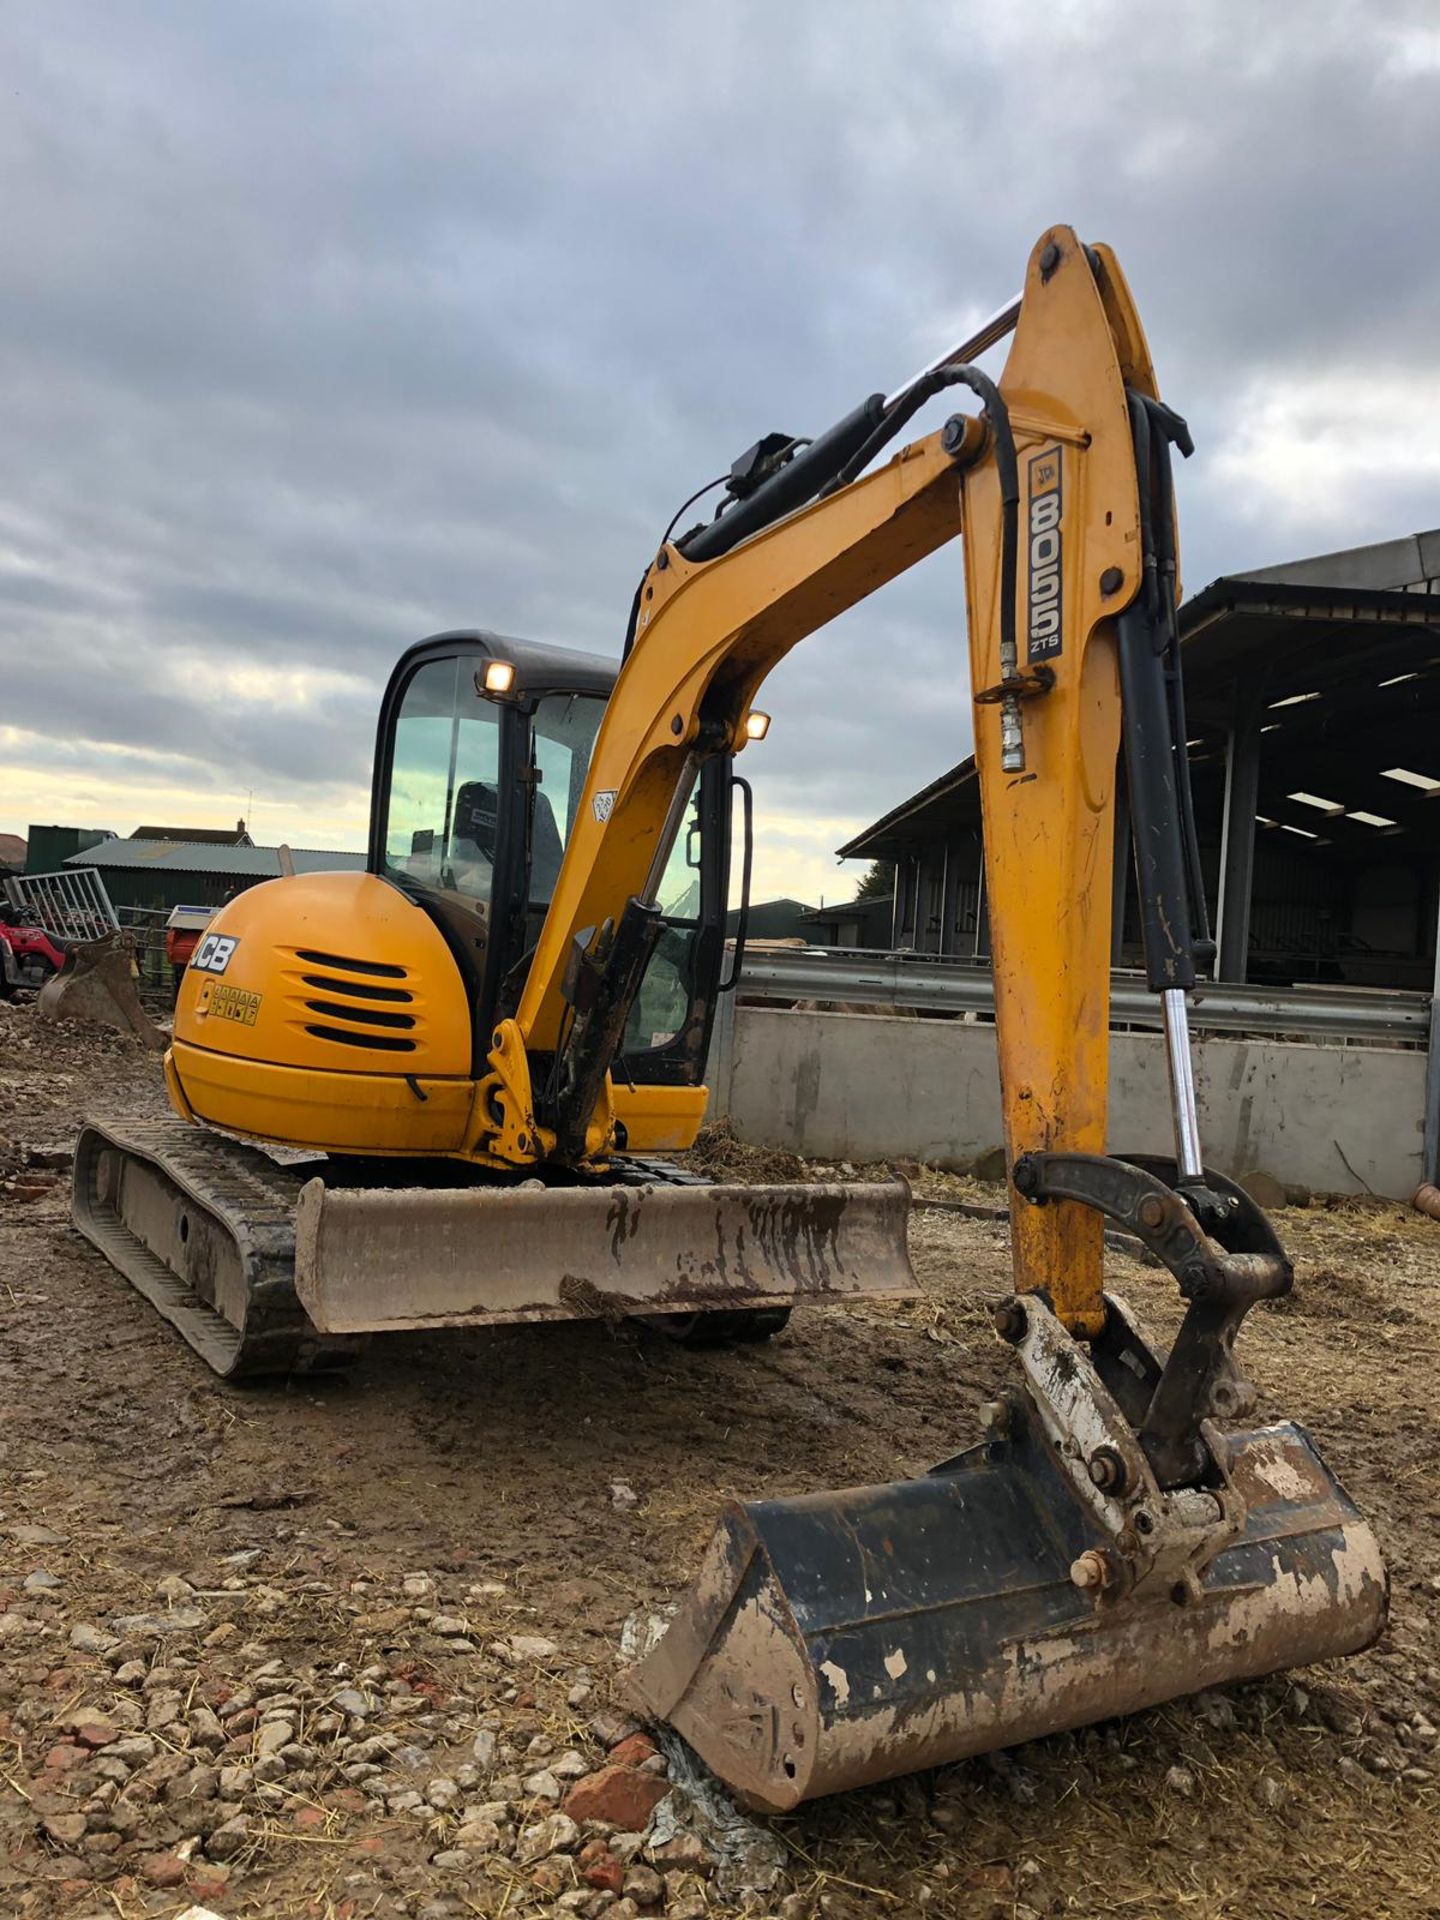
{"x":479,"y":773}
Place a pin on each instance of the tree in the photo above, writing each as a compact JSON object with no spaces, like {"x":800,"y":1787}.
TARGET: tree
{"x":878,"y":882}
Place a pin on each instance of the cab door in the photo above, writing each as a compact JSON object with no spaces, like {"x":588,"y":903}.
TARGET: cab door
{"x":442,"y":816}
{"x":667,"y":1036}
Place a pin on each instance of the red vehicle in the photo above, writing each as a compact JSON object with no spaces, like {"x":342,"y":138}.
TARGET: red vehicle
{"x":28,"y":957}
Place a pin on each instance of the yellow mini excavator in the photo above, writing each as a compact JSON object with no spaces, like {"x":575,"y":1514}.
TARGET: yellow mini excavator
{"x":451,"y":1076}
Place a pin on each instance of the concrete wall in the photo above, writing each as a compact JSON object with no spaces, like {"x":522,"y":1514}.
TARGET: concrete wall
{"x":861,"y":1087}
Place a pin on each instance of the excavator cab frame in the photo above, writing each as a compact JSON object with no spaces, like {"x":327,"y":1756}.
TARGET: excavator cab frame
{"x":500,"y":734}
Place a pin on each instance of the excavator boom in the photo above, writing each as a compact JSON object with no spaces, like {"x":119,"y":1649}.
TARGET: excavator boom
{"x":1120,"y":1536}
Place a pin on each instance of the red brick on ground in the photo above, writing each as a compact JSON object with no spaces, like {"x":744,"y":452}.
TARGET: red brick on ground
{"x":605,"y":1872}
{"x":617,"y":1794}
{"x":633,"y":1751}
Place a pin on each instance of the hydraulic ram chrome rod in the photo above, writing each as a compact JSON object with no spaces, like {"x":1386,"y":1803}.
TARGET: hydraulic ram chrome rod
{"x":1000,"y":323}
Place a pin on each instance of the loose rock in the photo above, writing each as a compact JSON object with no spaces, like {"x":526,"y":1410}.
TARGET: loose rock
{"x":163,"y":1870}
{"x":33,"y":1536}
{"x":644,"y":1884}
{"x":159,"y":1625}
{"x":530,"y":1646}
{"x":228,"y":1839}
{"x":479,"y":1836}
{"x":65,"y":1829}
{"x":91,"y":1639}
{"x":274,"y":1735}
{"x":556,"y":1833}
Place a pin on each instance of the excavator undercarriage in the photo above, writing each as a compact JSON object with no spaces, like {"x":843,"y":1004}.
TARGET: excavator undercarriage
{"x":288,"y":1264}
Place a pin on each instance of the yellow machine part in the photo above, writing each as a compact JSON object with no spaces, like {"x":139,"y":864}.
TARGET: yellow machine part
{"x":1075,"y":350}
{"x":325,"y":1010}
{"x":659,"y":1119}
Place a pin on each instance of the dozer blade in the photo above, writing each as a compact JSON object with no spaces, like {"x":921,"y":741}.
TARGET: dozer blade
{"x":378,"y":1260}
{"x":838,"y":1639}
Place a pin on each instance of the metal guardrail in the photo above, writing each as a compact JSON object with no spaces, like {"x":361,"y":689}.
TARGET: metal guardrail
{"x":69,"y":906}
{"x":906,"y":981}
{"x":74,"y":906}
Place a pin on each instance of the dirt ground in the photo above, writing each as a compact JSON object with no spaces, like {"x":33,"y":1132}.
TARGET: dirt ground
{"x":395,"y":1531}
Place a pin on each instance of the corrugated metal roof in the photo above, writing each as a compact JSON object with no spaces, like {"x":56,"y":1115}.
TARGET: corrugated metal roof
{"x":197,"y":836}
{"x":188,"y":856}
{"x":1410,"y":564}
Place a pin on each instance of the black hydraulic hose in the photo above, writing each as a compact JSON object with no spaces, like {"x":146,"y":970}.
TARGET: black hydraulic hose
{"x":899,"y":415}
{"x":1167,"y":428}
{"x":1140,"y":434}
{"x":1155,"y":775}
{"x":1007,"y":468}
{"x":1199,"y":908}
{"x":742,"y":925}
{"x":1006,"y":463}
{"x":1161,"y":869}
{"x":634,"y":621}
{"x":709,"y":485}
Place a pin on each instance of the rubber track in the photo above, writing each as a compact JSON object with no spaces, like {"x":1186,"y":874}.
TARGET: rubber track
{"x":252,"y":1200}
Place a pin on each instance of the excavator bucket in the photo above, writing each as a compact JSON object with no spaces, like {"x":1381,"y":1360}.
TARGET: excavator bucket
{"x":97,"y":984}
{"x":374,"y":1260}
{"x":838,"y":1639}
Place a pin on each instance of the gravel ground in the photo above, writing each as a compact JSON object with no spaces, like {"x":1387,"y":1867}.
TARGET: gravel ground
{"x":349,"y":1650}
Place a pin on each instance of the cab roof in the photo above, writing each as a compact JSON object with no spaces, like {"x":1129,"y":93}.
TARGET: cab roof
{"x":539,"y":667}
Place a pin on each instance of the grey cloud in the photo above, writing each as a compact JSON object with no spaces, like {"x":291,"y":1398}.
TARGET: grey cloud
{"x":327,"y":328}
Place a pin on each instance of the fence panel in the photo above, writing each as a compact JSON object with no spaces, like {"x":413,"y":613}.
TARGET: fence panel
{"x":72,"y":905}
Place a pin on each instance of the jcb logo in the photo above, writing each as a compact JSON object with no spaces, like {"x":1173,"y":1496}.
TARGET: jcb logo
{"x":214,"y":953}
{"x":1046,"y":572}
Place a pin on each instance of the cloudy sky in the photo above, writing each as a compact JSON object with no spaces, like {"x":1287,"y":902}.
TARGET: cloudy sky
{"x":324,"y":327}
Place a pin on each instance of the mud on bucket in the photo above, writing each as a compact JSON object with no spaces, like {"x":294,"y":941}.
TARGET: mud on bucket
{"x":843,"y":1638}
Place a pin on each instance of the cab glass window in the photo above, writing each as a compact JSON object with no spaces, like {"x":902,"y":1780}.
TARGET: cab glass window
{"x":442,"y":821}
{"x":563,"y":737}
{"x":662,"y":1005}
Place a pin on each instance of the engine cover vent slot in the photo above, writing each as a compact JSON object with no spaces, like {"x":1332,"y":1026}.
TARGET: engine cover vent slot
{"x":381,"y":967}
{"x":326,"y":983}
{"x":368,"y":1016}
{"x":375,"y":1042}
